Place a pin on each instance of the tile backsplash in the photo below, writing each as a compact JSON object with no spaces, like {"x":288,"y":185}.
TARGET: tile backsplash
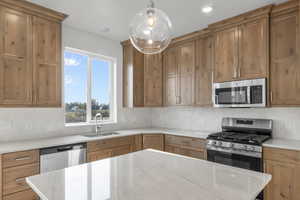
{"x":286,"y":120}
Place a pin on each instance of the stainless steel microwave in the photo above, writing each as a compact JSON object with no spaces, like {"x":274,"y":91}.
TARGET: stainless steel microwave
{"x":246,"y":93}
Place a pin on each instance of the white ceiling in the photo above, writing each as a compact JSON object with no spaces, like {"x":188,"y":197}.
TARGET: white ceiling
{"x":96,"y":15}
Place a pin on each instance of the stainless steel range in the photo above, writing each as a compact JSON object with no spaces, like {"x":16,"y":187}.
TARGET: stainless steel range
{"x":240,"y":143}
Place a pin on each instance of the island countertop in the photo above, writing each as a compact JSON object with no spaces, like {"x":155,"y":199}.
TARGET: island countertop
{"x":149,"y":175}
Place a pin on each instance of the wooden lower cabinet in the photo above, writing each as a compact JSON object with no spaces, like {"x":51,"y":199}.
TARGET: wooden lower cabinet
{"x":98,"y":150}
{"x":98,"y":155}
{"x":187,"y":146}
{"x":14,"y":168}
{"x":284,"y":166}
{"x":186,"y":152}
{"x":153,"y":141}
{"x":25,"y":195}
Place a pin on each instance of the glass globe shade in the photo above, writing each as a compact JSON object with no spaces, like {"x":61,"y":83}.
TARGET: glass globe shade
{"x":150,"y":31}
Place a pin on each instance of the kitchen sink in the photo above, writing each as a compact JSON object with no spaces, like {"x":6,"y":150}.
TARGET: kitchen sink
{"x":101,"y":134}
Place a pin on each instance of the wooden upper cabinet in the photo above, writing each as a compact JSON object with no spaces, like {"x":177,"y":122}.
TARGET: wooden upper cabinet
{"x":170,"y":77}
{"x":30,"y":55}
{"x":186,"y":70}
{"x":254,"y":49}
{"x":153,"y":80}
{"x":47,"y":66}
{"x":241,"y":46}
{"x":16,"y":58}
{"x":179,"y":68}
{"x":285,"y":65}
{"x":226,"y":55}
{"x":203,"y":71}
{"x":133,"y":76}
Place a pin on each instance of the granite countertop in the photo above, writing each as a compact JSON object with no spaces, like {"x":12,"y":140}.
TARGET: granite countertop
{"x":149,"y":175}
{"x":288,"y":144}
{"x":9,"y":147}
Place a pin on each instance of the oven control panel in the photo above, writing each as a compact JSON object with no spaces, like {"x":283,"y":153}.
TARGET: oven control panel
{"x":235,"y":148}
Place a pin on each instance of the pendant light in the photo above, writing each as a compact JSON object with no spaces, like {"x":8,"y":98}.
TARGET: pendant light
{"x":150,"y":30}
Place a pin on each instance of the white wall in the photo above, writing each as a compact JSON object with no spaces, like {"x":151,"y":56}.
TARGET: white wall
{"x":28,"y":123}
{"x":286,"y":120}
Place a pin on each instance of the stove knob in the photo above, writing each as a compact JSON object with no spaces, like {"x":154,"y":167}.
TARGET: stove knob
{"x":251,"y":148}
{"x":219,"y":143}
{"x":211,"y":142}
{"x":245,"y":147}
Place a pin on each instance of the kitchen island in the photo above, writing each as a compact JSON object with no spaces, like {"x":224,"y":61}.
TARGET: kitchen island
{"x":149,"y":175}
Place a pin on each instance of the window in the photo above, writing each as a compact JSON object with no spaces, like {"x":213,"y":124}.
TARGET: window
{"x":89,"y":87}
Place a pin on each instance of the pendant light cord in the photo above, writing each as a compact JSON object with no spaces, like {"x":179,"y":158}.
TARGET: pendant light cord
{"x":151,"y":4}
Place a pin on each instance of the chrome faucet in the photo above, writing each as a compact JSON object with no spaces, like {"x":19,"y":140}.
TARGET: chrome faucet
{"x":98,"y":126}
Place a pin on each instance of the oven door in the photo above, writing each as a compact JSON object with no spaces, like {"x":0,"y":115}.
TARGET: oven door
{"x":235,"y":160}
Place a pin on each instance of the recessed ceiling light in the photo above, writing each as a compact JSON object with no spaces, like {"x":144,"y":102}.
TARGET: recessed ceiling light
{"x":207,"y":9}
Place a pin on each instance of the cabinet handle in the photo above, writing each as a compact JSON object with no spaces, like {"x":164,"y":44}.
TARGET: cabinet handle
{"x":18,"y":180}
{"x":179,"y":99}
{"x":239,"y":72}
{"x":271,"y":97}
{"x":22,"y":158}
{"x":235,"y":73}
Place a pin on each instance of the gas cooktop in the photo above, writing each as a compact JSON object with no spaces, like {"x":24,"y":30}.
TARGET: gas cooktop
{"x":239,"y":137}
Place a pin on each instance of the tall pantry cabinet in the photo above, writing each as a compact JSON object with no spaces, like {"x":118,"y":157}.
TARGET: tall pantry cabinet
{"x":30,"y":55}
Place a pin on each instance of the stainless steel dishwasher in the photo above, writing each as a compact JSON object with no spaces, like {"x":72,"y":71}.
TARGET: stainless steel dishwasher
{"x":60,"y":157}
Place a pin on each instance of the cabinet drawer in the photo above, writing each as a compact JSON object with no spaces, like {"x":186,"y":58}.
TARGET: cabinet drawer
{"x":20,"y":158}
{"x":109,"y":143}
{"x":107,"y":153}
{"x":122,"y":150}
{"x":186,"y":152}
{"x":185,"y":142}
{"x":153,"y":141}
{"x":282,"y":155}
{"x":25,"y":195}
{"x":14,"y":177}
{"x":98,"y":155}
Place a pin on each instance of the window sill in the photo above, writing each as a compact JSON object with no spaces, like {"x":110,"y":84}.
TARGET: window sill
{"x":89,"y":124}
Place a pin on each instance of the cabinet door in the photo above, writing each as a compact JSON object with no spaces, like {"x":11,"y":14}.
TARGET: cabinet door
{"x":226,"y":55}
{"x":138,"y":78}
{"x":47,"y":62}
{"x":285,"y":68}
{"x":186,"y":71}
{"x":153,"y":141}
{"x":122,"y":150}
{"x":285,"y":181}
{"x":99,"y":155}
{"x":127,"y":76}
{"x":170,"y":77}
{"x":254,"y":49}
{"x":133,"y":77}
{"x":153,"y":80}
{"x":203,"y":72}
{"x":185,"y":152}
{"x":16,"y":56}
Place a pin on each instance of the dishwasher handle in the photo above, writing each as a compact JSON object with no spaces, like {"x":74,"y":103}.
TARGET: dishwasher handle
{"x":66,"y":148}
{"x":63,"y":148}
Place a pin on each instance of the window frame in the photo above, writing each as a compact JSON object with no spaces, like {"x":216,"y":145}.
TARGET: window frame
{"x":112,"y":87}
